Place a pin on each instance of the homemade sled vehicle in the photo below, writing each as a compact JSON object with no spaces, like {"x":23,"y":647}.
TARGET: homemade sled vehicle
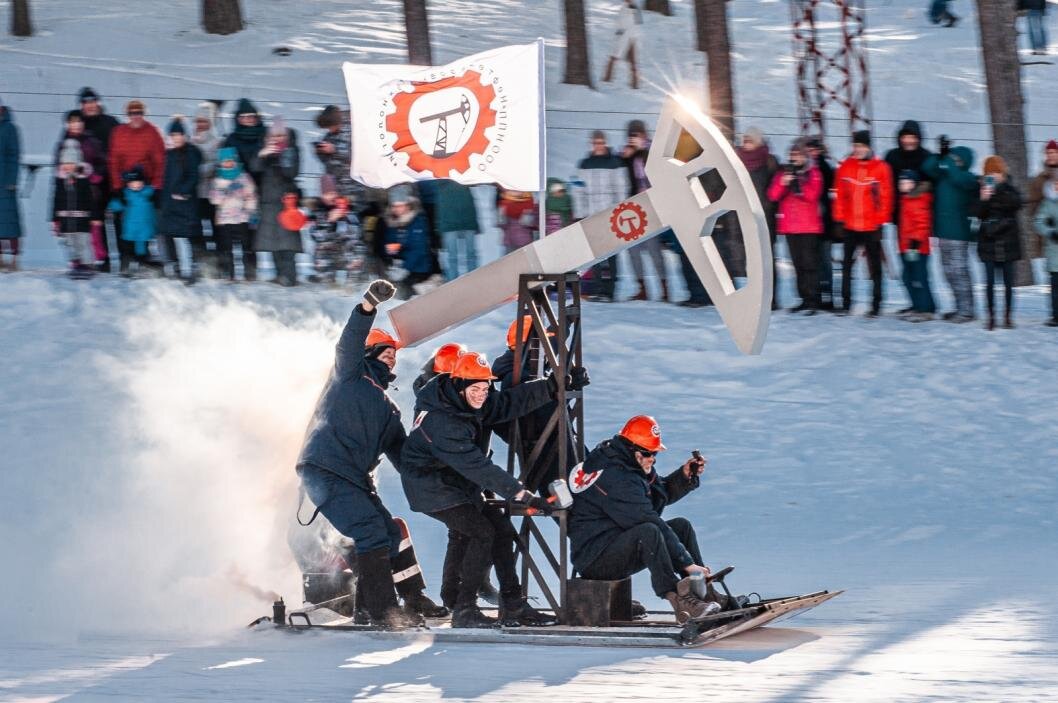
{"x":696,"y":178}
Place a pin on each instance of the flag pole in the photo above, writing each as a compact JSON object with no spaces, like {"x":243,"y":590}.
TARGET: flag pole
{"x":542,"y":214}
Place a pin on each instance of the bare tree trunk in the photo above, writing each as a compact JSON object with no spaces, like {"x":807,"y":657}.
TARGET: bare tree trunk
{"x":578,"y":60}
{"x":21,"y":24}
{"x":221,"y":16}
{"x":701,"y":29}
{"x":417,"y":27}
{"x":661,"y":6}
{"x":999,"y":53}
{"x":712,"y":14}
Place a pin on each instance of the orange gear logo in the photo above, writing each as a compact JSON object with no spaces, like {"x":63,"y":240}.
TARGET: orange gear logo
{"x":440,"y":162}
{"x":628,"y":221}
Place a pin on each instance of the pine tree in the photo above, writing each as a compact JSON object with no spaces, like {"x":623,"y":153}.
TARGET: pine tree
{"x":221,"y":16}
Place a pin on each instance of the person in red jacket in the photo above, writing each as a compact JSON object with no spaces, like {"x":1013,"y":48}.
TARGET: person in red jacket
{"x":916,"y":227}
{"x":796,"y":190}
{"x":136,"y":143}
{"x":863,"y":203}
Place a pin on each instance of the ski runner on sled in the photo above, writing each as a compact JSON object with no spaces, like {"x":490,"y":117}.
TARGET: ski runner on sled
{"x":445,"y":467}
{"x":615,"y":524}
{"x":355,"y":422}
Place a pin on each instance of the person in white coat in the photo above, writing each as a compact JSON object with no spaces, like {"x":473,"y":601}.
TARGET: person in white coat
{"x":207,"y":136}
{"x":626,"y":41}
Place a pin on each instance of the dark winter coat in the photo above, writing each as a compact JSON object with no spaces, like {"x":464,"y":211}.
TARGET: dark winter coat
{"x":180,"y":218}
{"x":408,"y":239}
{"x":92,"y":153}
{"x":277,"y":178}
{"x":954,"y":192}
{"x":248,"y":141}
{"x":338,"y":164}
{"x":355,"y":421}
{"x":826,"y":170}
{"x":446,"y":461}
{"x":636,"y":163}
{"x":10,"y":152}
{"x":900,"y":160}
{"x":762,"y":167}
{"x":74,"y":204}
{"x":999,"y":238}
{"x":101,"y":126}
{"x":454,"y":209}
{"x":611,"y":495}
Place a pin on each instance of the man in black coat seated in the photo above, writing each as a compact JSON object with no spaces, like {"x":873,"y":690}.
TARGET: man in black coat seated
{"x":445,"y":468}
{"x":356,"y":422}
{"x":615,"y":524}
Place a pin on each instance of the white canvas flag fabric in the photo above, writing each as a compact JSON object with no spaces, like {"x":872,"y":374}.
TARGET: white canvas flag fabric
{"x":475,"y":120}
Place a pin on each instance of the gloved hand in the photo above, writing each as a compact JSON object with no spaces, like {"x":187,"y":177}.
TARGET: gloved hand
{"x":578,"y":378}
{"x":540,"y":505}
{"x":945,"y":145}
{"x":379,"y":292}
{"x":1051,"y":223}
{"x":915,"y":245}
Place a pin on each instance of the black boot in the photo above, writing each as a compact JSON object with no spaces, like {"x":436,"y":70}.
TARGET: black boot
{"x":516,"y":612}
{"x":376,"y":594}
{"x":421,"y":604}
{"x":488,"y":592}
{"x":471,"y":616}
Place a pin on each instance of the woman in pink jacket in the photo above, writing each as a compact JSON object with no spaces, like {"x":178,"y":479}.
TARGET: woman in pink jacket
{"x":796,"y":189}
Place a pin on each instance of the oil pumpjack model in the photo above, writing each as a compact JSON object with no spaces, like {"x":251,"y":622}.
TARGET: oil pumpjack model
{"x":696,"y":178}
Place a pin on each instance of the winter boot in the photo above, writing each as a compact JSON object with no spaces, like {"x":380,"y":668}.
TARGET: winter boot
{"x":991,"y":324}
{"x":1008,"y":322}
{"x":607,"y":76}
{"x":639,"y":611}
{"x":471,"y":616}
{"x":665,"y":291}
{"x":516,"y":612}
{"x":421,"y":604}
{"x":642,"y":294}
{"x":687,"y":606}
{"x":376,"y":592}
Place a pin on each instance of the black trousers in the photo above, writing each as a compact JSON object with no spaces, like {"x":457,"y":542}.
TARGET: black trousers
{"x":488,"y":540}
{"x":227,"y":235}
{"x":694,"y":284}
{"x":872,"y":244}
{"x":804,"y":250}
{"x":286,"y":268}
{"x":643,"y":547}
{"x":1054,"y":295}
{"x":1006,"y":268}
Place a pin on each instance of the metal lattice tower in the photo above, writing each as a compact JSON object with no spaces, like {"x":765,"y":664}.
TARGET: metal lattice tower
{"x":830,"y":48}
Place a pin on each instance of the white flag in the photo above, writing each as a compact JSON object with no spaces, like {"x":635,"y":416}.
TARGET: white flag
{"x":476,"y":120}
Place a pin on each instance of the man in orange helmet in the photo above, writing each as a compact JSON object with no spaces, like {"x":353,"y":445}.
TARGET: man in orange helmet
{"x":615,"y":524}
{"x":445,"y":468}
{"x":441,"y":361}
{"x":354,"y":424}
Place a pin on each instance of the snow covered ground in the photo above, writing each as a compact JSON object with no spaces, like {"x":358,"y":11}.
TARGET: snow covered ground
{"x":149,"y":430}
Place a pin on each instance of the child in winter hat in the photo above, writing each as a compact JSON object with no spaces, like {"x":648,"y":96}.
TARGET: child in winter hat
{"x":135,"y":201}
{"x":73,"y":209}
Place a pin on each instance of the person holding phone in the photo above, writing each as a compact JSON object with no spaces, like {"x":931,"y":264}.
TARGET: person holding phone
{"x":999,"y":239}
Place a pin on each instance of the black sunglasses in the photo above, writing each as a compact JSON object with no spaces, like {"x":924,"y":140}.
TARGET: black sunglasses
{"x":135,"y":113}
{"x":646,"y":455}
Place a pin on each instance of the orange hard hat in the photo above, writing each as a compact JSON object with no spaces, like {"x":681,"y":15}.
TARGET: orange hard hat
{"x":444,"y":359}
{"x":643,"y":431}
{"x":380,"y":338}
{"x":512,"y":331}
{"x":473,"y":366}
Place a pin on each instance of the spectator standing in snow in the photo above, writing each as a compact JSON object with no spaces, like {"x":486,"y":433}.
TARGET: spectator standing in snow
{"x":940,"y":14}
{"x":234,"y":197}
{"x":10,"y":223}
{"x":626,"y":41}
{"x":914,"y":230}
{"x":93,"y":166}
{"x":456,"y":219}
{"x":100,"y":125}
{"x":1048,"y":174}
{"x":336,"y":232}
{"x":635,"y":158}
{"x":999,"y":237}
{"x":817,"y":151}
{"x":796,"y":190}
{"x":517,"y":219}
{"x":1036,"y":19}
{"x":278,"y":164}
{"x":407,"y":239}
{"x":1046,"y":222}
{"x":955,"y":189}
{"x":762,"y":166}
{"x":909,"y":155}
{"x":864,"y":203}
{"x":135,"y":144}
{"x":207,"y":138}
{"x":75,"y":208}
{"x":558,"y":207}
{"x":335,"y":151}
{"x":134,"y":203}
{"x":179,"y":212}
{"x":248,"y":137}
{"x":605,"y":184}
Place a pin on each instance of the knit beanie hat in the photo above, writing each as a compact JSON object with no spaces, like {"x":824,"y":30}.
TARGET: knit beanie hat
{"x":71,"y":152}
{"x":861,"y":136}
{"x":1051,"y":146}
{"x":133,"y":174}
{"x":135,"y":105}
{"x":87,"y":94}
{"x":73,"y":115}
{"x":278,"y":128}
{"x":246,"y":107}
{"x":331,"y":116}
{"x":909,"y":174}
{"x":755,"y":135}
{"x":176,"y":126}
{"x":636,"y":127}
{"x":400,"y":194}
{"x":206,"y":111}
{"x":994,"y":164}
{"x":227,"y":153}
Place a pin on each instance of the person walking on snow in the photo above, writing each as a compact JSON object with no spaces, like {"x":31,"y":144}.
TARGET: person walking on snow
{"x":10,"y":223}
{"x":864,"y":203}
{"x":355,"y":423}
{"x":626,"y":41}
{"x":797,"y":189}
{"x":999,"y":236}
{"x":615,"y":524}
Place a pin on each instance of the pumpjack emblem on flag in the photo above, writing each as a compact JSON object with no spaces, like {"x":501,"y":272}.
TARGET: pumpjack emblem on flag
{"x":476,"y":120}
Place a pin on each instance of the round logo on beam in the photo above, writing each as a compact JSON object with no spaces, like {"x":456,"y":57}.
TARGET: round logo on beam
{"x":628,"y":221}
